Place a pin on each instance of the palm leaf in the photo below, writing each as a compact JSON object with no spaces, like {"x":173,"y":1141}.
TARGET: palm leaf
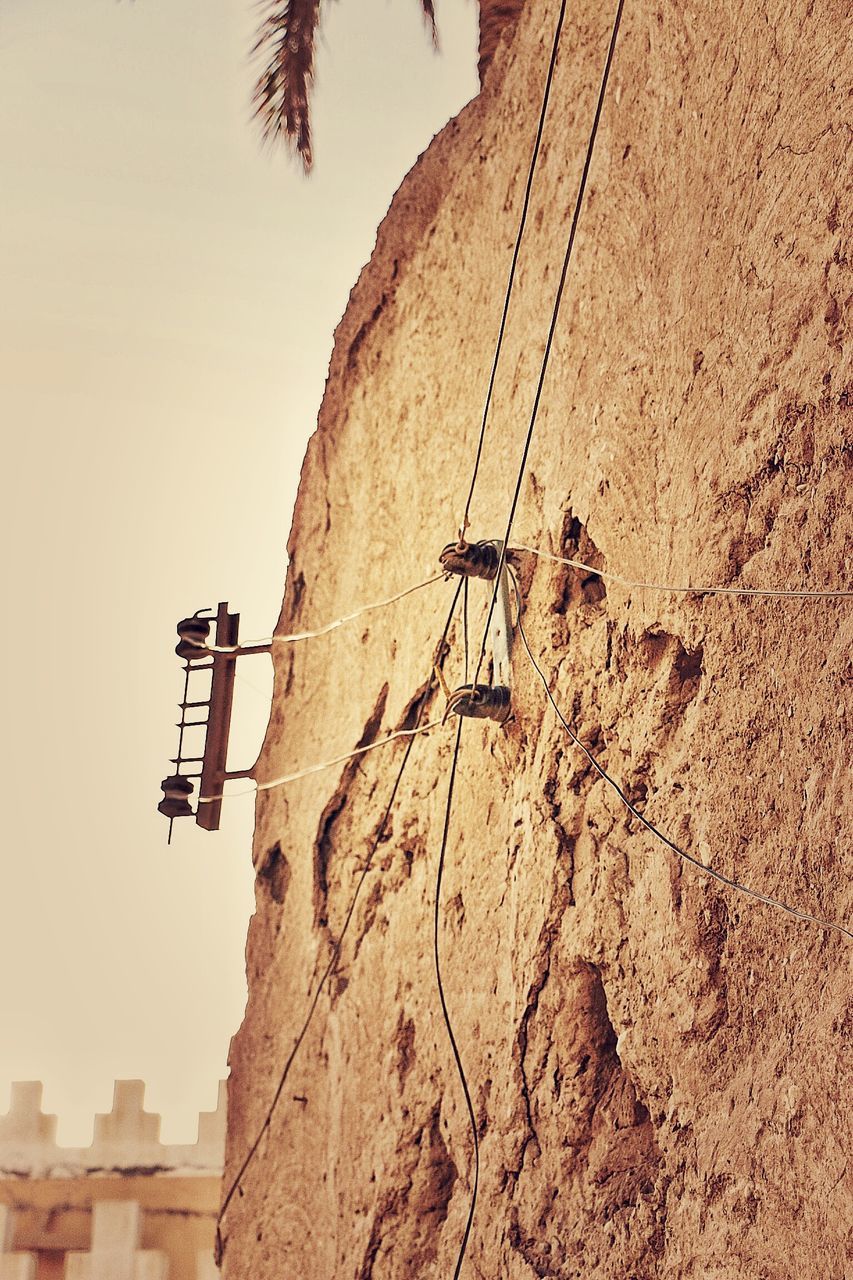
{"x":282,"y":96}
{"x":285,"y":40}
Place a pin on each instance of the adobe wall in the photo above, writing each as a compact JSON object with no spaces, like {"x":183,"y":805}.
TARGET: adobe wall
{"x":657,"y":1063}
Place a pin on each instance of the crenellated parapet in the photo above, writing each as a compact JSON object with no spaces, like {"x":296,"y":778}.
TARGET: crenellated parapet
{"x":125,"y":1141}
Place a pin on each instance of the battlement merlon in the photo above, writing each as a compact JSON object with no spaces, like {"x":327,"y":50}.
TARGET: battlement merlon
{"x":125,"y":1142}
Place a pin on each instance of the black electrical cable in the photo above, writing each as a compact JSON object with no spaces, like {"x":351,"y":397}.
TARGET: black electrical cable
{"x":336,"y":951}
{"x":368,"y":863}
{"x":465,"y":626}
{"x":687,"y":857}
{"x":522,"y":466}
{"x":511,"y":278}
{"x":460,"y":1069}
{"x":448,"y":1025}
{"x":554,"y":317}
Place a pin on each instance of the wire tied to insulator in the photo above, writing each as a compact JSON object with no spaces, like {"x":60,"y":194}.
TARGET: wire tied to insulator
{"x":471,"y":559}
{"x":193,"y":636}
{"x":480,"y":702}
{"x":272,"y":783}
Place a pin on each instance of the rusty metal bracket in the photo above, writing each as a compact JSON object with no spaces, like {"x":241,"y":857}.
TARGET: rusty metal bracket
{"x":219,"y":657}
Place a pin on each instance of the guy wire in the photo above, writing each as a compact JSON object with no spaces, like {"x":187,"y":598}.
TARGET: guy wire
{"x":687,"y":857}
{"x":295,"y":636}
{"x":553,"y":325}
{"x":511,"y":278}
{"x":325,"y":764}
{"x":797,"y":593}
{"x":336,"y":950}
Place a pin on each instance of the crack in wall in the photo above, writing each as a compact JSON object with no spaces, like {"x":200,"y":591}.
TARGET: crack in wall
{"x":405,"y":1233}
{"x":609,"y":1160}
{"x":550,"y":931}
{"x":324,"y":840}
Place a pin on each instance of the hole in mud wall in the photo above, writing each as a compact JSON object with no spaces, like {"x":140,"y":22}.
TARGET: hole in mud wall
{"x":576,"y":587}
{"x":275,"y":874}
{"x":677,"y":670}
{"x":688,"y":667}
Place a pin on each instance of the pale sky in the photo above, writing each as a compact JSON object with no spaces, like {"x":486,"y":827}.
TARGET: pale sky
{"x":168,"y":293}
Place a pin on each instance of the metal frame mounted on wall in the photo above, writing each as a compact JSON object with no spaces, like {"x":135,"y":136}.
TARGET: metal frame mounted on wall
{"x":219,"y":658}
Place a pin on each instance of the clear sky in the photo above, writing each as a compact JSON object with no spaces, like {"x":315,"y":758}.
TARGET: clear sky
{"x":168,"y":293}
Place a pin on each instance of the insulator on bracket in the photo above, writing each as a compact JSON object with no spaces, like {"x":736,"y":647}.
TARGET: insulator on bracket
{"x":176,"y":792}
{"x":471,"y":559}
{"x":193,"y":633}
{"x":481,"y":701}
{"x":194,"y":628}
{"x":191,"y":651}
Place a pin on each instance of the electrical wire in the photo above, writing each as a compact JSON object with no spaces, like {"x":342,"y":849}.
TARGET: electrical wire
{"x":411,"y":733}
{"x":687,"y":857}
{"x":318,"y":768}
{"x":456,"y":1055}
{"x":296,"y":636}
{"x":522,"y":466}
{"x":796,"y":593}
{"x":436,"y":953}
{"x":549,"y":342}
{"x":336,"y":950}
{"x":511,"y":278}
{"x":465,"y":639}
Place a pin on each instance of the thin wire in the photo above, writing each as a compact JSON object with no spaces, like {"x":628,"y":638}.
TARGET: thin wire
{"x":465,"y":626}
{"x":253,"y":687}
{"x":444,"y":1009}
{"x":511,"y":278}
{"x":336,"y":950}
{"x":660,"y":586}
{"x":687,"y":857}
{"x":452,"y":779}
{"x":318,"y":768}
{"x":553,"y":325}
{"x":440,"y":984}
{"x":296,"y":636}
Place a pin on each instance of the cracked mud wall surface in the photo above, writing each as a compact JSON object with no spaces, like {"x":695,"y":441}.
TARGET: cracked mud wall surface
{"x":660,"y":1067}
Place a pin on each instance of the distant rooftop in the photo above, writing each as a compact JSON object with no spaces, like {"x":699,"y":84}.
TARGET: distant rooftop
{"x":125,"y":1141}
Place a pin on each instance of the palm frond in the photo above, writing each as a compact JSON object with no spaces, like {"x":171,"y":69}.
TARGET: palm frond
{"x":429,"y":14}
{"x":282,"y":94}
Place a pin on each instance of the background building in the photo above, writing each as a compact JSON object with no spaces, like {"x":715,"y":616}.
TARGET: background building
{"x":128,"y":1207}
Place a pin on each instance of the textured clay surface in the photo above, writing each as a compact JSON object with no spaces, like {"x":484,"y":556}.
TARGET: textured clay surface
{"x":659,"y":1066}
